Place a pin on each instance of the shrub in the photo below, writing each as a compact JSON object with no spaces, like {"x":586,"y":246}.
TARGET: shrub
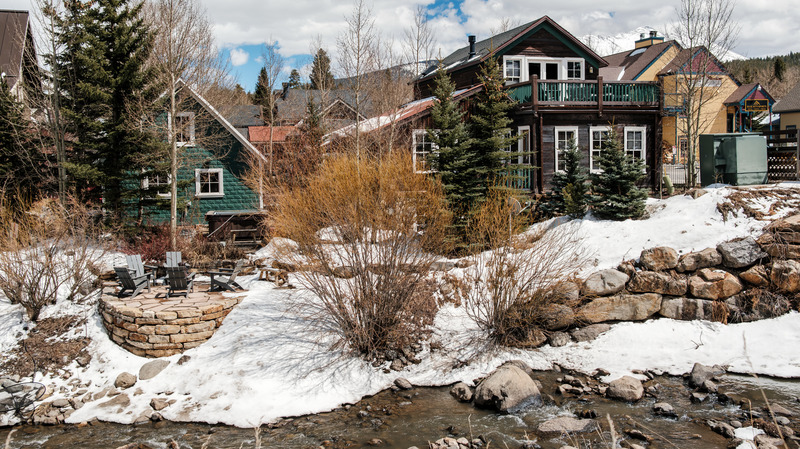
{"x":364,"y":228}
{"x":615,"y":194}
{"x":515,"y":281}
{"x":569,"y":194}
{"x":48,"y":250}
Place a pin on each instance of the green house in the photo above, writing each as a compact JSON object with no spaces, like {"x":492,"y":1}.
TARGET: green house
{"x":213,"y":160}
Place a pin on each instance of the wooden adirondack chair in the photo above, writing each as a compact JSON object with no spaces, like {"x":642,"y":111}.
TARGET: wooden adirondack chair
{"x":180,"y":282}
{"x":173,"y":259}
{"x":225,"y":279}
{"x":139,"y":269}
{"x":129,"y":281}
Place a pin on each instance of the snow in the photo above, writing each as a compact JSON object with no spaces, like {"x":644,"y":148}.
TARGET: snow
{"x":266,"y":362}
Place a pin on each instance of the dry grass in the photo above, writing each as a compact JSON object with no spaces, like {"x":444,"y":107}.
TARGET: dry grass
{"x":365,"y":229}
{"x":43,"y":350}
{"x":513,"y":284}
{"x":744,"y":199}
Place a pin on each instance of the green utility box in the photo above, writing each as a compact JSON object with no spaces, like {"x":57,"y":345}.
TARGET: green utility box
{"x":733,"y":158}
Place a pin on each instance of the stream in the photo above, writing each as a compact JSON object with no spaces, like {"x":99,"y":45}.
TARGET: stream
{"x":401,"y":419}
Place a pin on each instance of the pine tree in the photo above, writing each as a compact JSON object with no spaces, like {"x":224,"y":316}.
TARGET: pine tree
{"x":294,"y":79}
{"x":19,"y":159}
{"x":262,"y":92}
{"x":569,"y":193}
{"x":615,"y":194}
{"x":779,"y":68}
{"x":489,"y":129}
{"x":321,"y":76}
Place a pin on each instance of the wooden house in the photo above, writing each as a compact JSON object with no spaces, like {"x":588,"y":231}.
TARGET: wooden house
{"x":789,"y":109}
{"x":561,"y":96}
{"x":18,"y":65}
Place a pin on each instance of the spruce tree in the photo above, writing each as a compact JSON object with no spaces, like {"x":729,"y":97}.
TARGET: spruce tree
{"x":294,"y":79}
{"x":20,"y":162}
{"x":321,"y":77}
{"x":569,"y":193}
{"x":262,"y":92}
{"x":489,"y":129}
{"x":615,"y":195}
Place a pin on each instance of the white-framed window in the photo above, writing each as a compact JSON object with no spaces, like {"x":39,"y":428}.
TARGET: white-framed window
{"x":422,"y":147}
{"x":208,"y":183}
{"x":523,"y":146}
{"x":597,"y":135}
{"x":184,"y":128}
{"x":563,"y":136}
{"x":574,"y":70}
{"x":635,"y":141}
{"x":157,"y":182}
{"x":513,"y":70}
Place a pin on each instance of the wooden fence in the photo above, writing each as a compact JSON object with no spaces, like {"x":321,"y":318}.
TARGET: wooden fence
{"x":783,"y":154}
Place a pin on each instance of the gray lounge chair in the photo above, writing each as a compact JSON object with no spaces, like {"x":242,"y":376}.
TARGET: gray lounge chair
{"x":174,"y":259}
{"x":225,"y":279}
{"x":129,"y":281}
{"x":180,"y":282}
{"x":139,"y":269}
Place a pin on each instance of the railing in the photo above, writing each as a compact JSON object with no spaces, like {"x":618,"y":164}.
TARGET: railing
{"x":519,"y":178}
{"x":584,"y":92}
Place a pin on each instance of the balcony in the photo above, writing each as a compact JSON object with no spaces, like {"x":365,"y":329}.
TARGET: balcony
{"x":585,"y":93}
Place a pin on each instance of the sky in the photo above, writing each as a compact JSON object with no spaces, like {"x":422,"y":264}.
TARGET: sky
{"x":241,"y":27}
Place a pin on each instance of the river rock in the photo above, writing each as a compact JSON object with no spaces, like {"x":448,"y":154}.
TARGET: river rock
{"x":125,"y":380}
{"x":625,"y":388}
{"x":687,"y":309}
{"x":567,"y":425}
{"x":121,"y":400}
{"x":557,"y":316}
{"x":558,"y":339}
{"x":403,"y":383}
{"x":740,"y":253}
{"x":590,"y":332}
{"x":462,"y":392}
{"x":159,"y":403}
{"x":722,"y":428}
{"x":621,"y":308}
{"x":714,"y":284}
{"x":664,"y":409}
{"x":657,"y":282}
{"x":659,"y":258}
{"x":603,"y":283}
{"x":786,"y":275}
{"x":694,"y":261}
{"x":701,"y":373}
{"x":756,"y":275}
{"x":507,"y":388}
{"x":521,"y":365}
{"x":151,"y":369}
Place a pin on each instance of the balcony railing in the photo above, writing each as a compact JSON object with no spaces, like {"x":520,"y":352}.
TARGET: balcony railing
{"x":519,"y":178}
{"x":585,"y":93}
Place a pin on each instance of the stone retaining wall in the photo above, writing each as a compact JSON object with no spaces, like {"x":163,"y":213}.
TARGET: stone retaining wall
{"x":162,"y":333}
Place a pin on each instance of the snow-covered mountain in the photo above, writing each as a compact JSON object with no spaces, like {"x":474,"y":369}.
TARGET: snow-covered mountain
{"x":605,"y":45}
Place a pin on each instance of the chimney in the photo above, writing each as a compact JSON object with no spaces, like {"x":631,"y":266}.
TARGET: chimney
{"x":471,"y":39}
{"x":648,"y":40}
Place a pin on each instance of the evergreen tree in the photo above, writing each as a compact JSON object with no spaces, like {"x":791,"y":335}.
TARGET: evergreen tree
{"x":569,"y":194}
{"x":262,"y":93}
{"x":489,"y":129}
{"x":321,"y":76}
{"x":615,"y":194}
{"x":779,"y":68}
{"x":294,"y":79}
{"x":19,"y":161}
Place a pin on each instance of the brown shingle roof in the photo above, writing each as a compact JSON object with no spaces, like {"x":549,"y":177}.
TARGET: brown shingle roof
{"x":790,"y":102}
{"x":13,"y":32}
{"x":634,"y":61}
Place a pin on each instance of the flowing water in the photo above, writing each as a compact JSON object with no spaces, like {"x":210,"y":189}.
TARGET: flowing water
{"x":412,"y":418}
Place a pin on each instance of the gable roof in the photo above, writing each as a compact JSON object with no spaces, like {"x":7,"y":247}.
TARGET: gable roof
{"x":244,"y":115}
{"x":293,"y":104}
{"x":687,"y":55}
{"x":499,"y":44}
{"x":790,"y":102}
{"x":180,"y":84}
{"x":630,"y":65}
{"x":14,"y":34}
{"x":748,"y":91}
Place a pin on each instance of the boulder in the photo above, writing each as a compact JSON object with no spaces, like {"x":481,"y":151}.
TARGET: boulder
{"x":151,"y":369}
{"x":694,"y":261}
{"x":722,"y":428}
{"x":567,"y":425}
{"x":590,"y":332}
{"x":566,"y":291}
{"x":120,"y":400}
{"x":756,"y":275}
{"x":125,"y":380}
{"x":786,"y":275}
{"x":687,"y":309}
{"x":627,"y":267}
{"x":659,"y":259}
{"x":462,"y":392}
{"x":506,"y":389}
{"x":159,"y":404}
{"x":557,"y":317}
{"x":557,"y":339}
{"x":626,"y":388}
{"x":403,"y":383}
{"x":657,"y":282}
{"x":701,"y":373}
{"x":621,"y":308}
{"x":664,"y":409}
{"x":740,"y":253}
{"x":787,"y":225}
{"x":714,"y":284}
{"x":603,"y":283}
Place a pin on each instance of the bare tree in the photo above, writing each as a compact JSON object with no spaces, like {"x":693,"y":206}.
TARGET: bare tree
{"x":506,"y":23}
{"x":184,"y":49}
{"x":358,"y":47}
{"x":420,"y":41}
{"x":703,"y":27}
{"x":273,"y":65}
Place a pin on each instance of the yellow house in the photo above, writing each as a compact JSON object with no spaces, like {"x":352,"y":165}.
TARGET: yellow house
{"x":789,"y":109}
{"x":682,"y":73}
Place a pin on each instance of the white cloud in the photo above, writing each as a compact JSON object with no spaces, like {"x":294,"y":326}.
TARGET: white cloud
{"x":239,"y":57}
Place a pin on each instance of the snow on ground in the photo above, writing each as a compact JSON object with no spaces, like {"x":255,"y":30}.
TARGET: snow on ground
{"x":265,"y":362}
